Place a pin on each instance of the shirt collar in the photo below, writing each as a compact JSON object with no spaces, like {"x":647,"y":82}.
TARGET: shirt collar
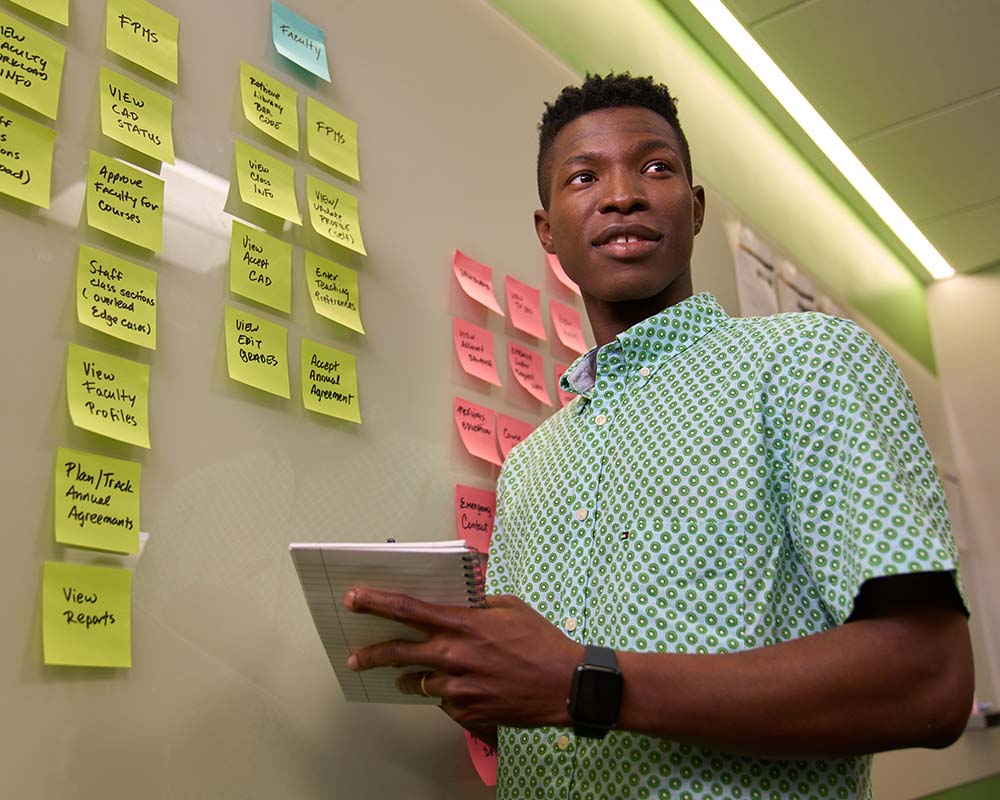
{"x":655,"y":339}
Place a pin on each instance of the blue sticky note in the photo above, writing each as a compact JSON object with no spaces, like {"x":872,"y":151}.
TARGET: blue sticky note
{"x":299,"y":40}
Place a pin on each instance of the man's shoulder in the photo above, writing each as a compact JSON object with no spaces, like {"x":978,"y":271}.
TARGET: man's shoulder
{"x":799,"y":333}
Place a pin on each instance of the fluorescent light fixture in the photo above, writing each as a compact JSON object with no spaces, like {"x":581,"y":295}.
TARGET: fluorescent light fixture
{"x":816,"y":128}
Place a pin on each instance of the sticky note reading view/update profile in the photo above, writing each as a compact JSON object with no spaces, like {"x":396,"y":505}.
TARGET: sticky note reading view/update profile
{"x":108,"y":395}
{"x":31,"y":66}
{"x":25,"y":158}
{"x":257,"y":352}
{"x":334,"y":214}
{"x":136,"y":116}
{"x":145,"y":35}
{"x":97,"y":501}
{"x":266,"y":183}
{"x":125,"y":202}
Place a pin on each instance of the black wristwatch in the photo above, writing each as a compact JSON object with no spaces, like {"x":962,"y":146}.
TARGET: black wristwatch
{"x":596,"y":696}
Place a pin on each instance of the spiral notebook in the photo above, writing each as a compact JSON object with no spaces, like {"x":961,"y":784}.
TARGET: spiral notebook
{"x":447,"y":572}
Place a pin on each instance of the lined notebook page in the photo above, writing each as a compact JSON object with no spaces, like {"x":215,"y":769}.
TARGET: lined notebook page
{"x":438,"y":572}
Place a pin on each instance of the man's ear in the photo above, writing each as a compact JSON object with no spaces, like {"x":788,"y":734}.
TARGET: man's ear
{"x":543,"y":230}
{"x":698,"y":194}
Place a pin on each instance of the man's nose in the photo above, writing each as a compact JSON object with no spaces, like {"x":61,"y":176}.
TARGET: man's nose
{"x":623,"y":193}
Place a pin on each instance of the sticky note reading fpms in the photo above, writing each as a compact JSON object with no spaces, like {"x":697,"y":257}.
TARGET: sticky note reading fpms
{"x":330,"y":381}
{"x":266,"y":182}
{"x":476,"y":280}
{"x":334,"y":214}
{"x":257,"y":352}
{"x":474,"y":348}
{"x":511,"y":431}
{"x":525,"y":306}
{"x":270,"y":105}
{"x":55,"y":10}
{"x":145,"y":35}
{"x":97,"y":501}
{"x":125,"y":202}
{"x":527,"y":367}
{"x":25,"y":158}
{"x":116,"y":297}
{"x":334,"y":291}
{"x":86,"y":615}
{"x":332,"y":138}
{"x":31,"y":66}
{"x":260,"y":267}
{"x":299,"y":40}
{"x":476,"y":426}
{"x":565,"y":398}
{"x":569,"y":330}
{"x":108,"y":395}
{"x":474,"y":512}
{"x":136,"y":116}
{"x":557,"y":269}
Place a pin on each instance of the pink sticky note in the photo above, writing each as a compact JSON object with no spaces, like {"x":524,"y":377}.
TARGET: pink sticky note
{"x":484,"y":759}
{"x":474,"y":348}
{"x":560,"y":273}
{"x":527,"y":368}
{"x":511,"y":431}
{"x":474,"y":511}
{"x":475,"y":426}
{"x":476,"y":281}
{"x":565,"y":398}
{"x":566,"y":321}
{"x":525,"y":306}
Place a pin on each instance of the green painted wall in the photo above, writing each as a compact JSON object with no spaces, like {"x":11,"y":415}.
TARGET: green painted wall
{"x":987,"y":789}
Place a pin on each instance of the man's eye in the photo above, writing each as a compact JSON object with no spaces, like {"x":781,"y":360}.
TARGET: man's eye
{"x":658,"y":166}
{"x":582,"y":177}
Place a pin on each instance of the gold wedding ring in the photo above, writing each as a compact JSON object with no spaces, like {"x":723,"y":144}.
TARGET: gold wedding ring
{"x":423,"y":688}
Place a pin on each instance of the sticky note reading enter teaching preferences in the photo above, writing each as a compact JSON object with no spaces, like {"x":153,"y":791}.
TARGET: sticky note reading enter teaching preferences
{"x":145,"y":35}
{"x":125,"y":202}
{"x":31,"y":66}
{"x":25,"y":158}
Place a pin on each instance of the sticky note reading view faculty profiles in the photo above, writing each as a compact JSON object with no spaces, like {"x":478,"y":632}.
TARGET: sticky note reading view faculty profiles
{"x":476,"y":281}
{"x":25,"y":158}
{"x":116,"y":297}
{"x":108,"y":395}
{"x":257,"y":352}
{"x":569,"y":329}
{"x":299,"y":40}
{"x":125,"y":202}
{"x":527,"y":367}
{"x":266,"y":183}
{"x":330,"y":382}
{"x":511,"y":431}
{"x":136,"y":116}
{"x":55,"y":10}
{"x":525,"y":306}
{"x":475,"y":425}
{"x":145,"y":35}
{"x":269,"y":105}
{"x":474,"y":512}
{"x":334,"y":214}
{"x":334,"y":291}
{"x":332,"y":138}
{"x":31,"y":66}
{"x":474,"y":348}
{"x":260,"y":267}
{"x":86,"y":615}
{"x":97,"y":501}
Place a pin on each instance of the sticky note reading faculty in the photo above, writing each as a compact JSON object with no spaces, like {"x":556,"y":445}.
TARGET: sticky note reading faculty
{"x":266,"y":183}
{"x":108,"y":395}
{"x":25,"y":158}
{"x":31,"y":66}
{"x":116,"y":297}
{"x":330,"y":381}
{"x":334,"y":214}
{"x":86,"y":615}
{"x":260,"y":267}
{"x":145,"y":35}
{"x":257,"y":352}
{"x":136,"y":116}
{"x":125,"y":202}
{"x":299,"y":40}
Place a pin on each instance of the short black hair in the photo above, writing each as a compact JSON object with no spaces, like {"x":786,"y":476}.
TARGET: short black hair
{"x":597,"y":92}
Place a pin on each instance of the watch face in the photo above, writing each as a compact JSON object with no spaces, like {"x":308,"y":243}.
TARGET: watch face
{"x":597,"y":695}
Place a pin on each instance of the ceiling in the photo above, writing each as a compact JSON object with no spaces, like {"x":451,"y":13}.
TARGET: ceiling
{"x":912,"y":87}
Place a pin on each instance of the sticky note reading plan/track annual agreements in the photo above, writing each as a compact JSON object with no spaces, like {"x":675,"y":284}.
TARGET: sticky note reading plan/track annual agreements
{"x":145,"y":35}
{"x":97,"y":501}
{"x":116,"y":297}
{"x":257,"y":352}
{"x":332,"y":138}
{"x":55,"y":10}
{"x":270,"y":105}
{"x":25,"y":158}
{"x":260,"y":267}
{"x":125,"y":202}
{"x":334,"y":291}
{"x":266,"y":182}
{"x":31,"y":66}
{"x":86,"y":615}
{"x":330,"y":381}
{"x":299,"y":40}
{"x":136,"y":116}
{"x":108,"y":395}
{"x":334,"y":214}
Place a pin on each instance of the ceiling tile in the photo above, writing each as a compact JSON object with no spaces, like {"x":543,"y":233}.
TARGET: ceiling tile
{"x":749,"y":11}
{"x":968,"y":240}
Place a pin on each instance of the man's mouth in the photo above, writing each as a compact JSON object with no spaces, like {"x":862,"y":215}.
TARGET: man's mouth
{"x":627,"y":240}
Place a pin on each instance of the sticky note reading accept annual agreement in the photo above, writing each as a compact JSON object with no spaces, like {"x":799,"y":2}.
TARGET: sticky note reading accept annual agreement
{"x":330,"y":381}
{"x":125,"y":202}
{"x":108,"y":395}
{"x":25,"y":158}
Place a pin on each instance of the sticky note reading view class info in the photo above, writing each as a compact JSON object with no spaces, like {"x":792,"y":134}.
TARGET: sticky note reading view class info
{"x":25,"y":158}
{"x":266,"y":183}
{"x":125,"y":202}
{"x":108,"y":395}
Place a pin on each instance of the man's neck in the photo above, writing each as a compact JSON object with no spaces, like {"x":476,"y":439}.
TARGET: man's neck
{"x":608,"y":319}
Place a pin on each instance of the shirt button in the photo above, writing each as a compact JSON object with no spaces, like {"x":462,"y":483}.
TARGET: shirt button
{"x":582,"y":514}
{"x":570,"y":624}
{"x":600,"y":419}
{"x":644,"y":372}
{"x":562,"y":742}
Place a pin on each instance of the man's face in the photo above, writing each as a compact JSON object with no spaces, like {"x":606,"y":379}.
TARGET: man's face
{"x":622,"y":212}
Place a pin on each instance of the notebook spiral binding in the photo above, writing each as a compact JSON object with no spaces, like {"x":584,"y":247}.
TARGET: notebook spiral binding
{"x":475,"y":578}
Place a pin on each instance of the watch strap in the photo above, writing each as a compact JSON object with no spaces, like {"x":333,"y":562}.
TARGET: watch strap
{"x":600,"y":656}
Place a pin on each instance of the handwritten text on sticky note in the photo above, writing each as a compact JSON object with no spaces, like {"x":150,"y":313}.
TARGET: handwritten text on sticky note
{"x":569,"y":330}
{"x":474,"y":512}
{"x":31,"y":66}
{"x":333,"y":289}
{"x":474,"y":348}
{"x":332,"y":138}
{"x":557,"y":269}
{"x":145,"y":35}
{"x":108,"y":395}
{"x":484,"y":759}
{"x":476,"y":280}
{"x":525,"y":306}
{"x":257,"y":352}
{"x":334,"y":214}
{"x":526,"y":364}
{"x":125,"y":202}
{"x":136,"y":116}
{"x":330,"y":381}
{"x":476,"y":425}
{"x":116,"y":297}
{"x":299,"y":40}
{"x":25,"y":158}
{"x":97,"y":501}
{"x":260,"y":267}
{"x":511,"y":431}
{"x":266,"y":182}
{"x":270,"y":105}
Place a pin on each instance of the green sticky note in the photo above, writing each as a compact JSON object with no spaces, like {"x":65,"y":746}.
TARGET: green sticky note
{"x":334,"y":214}
{"x":55,"y":10}
{"x":125,"y":202}
{"x":270,"y":105}
{"x":31,"y":66}
{"x":145,"y":35}
{"x":25,"y":158}
{"x":257,"y":352}
{"x":137,"y":116}
{"x":332,"y":138}
{"x":334,"y":291}
{"x":330,"y":381}
{"x":108,"y":395}
{"x":260,"y":267}
{"x":116,"y":297}
{"x":266,"y":182}
{"x":97,"y":501}
{"x":86,"y":615}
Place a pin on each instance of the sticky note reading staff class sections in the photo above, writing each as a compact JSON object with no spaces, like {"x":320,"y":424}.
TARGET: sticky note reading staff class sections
{"x":97,"y":501}
{"x":266,"y":183}
{"x":55,"y":10}
{"x":86,"y":615}
{"x":25,"y":158}
{"x":332,"y":138}
{"x":299,"y":40}
{"x":260,"y":267}
{"x":31,"y":66}
{"x":257,"y":352}
{"x":136,"y":116}
{"x":334,"y":291}
{"x":270,"y":106}
{"x":116,"y":297}
{"x":330,"y":382}
{"x":125,"y":202}
{"x":108,"y":395}
{"x":334,"y":214}
{"x":145,"y":35}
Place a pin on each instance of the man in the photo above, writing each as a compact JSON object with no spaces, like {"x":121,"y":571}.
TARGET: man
{"x":725,"y":569}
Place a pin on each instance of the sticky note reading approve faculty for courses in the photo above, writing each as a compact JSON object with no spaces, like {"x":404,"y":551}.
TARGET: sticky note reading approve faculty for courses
{"x":25,"y":158}
{"x":86,"y":615}
{"x":136,"y":116}
{"x":116,"y":297}
{"x":257,"y":352}
{"x":31,"y":66}
{"x":270,"y":106}
{"x":330,"y":381}
{"x":145,"y":35}
{"x":125,"y":202}
{"x":108,"y":395}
